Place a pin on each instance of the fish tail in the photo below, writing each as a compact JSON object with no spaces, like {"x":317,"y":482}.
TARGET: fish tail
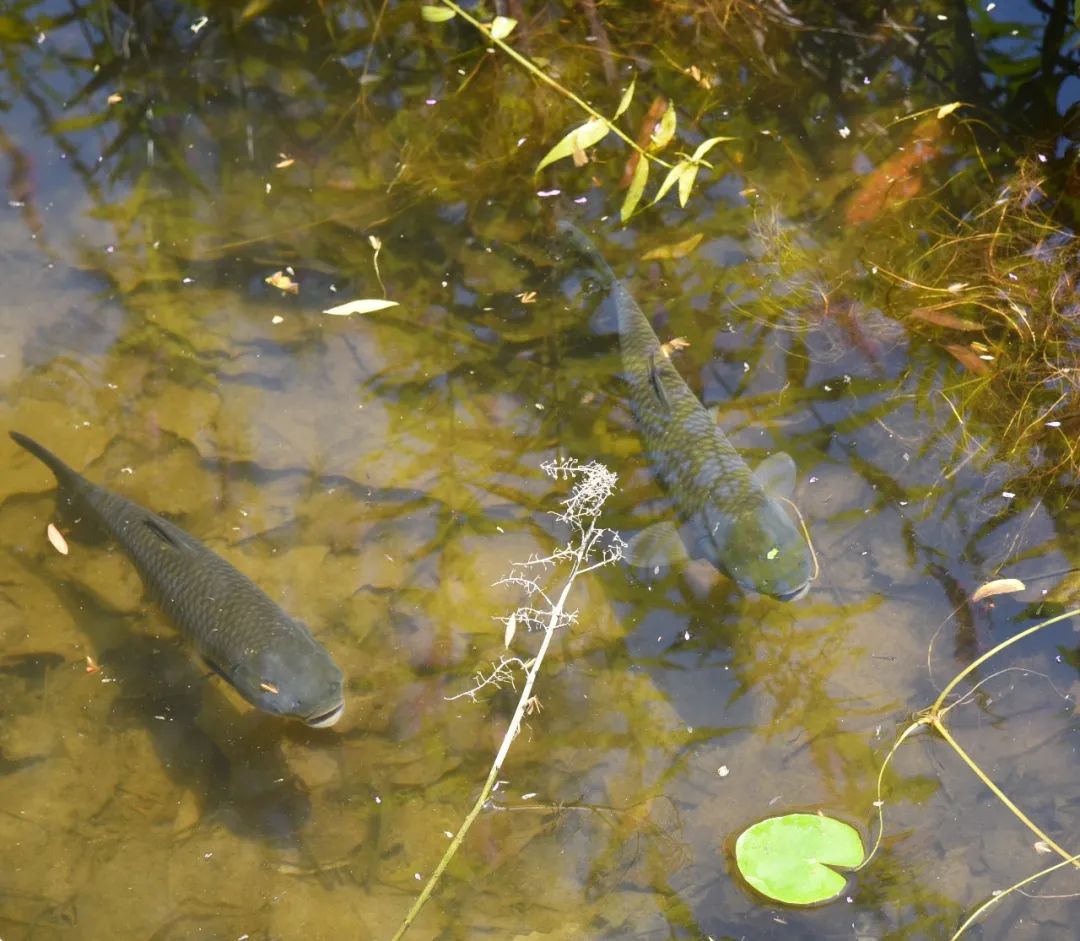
{"x":64,"y":474}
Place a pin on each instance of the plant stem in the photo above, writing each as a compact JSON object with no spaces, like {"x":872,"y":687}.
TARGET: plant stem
{"x":511,"y":733}
{"x":547,"y":79}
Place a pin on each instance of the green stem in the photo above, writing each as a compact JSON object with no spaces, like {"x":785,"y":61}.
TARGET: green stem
{"x":998,"y":793}
{"x":547,"y":79}
{"x":975,"y":664}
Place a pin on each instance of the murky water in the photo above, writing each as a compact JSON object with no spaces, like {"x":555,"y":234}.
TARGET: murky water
{"x":376,"y":474}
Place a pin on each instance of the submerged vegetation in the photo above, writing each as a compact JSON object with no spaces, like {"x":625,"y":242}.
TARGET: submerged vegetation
{"x":864,"y":218}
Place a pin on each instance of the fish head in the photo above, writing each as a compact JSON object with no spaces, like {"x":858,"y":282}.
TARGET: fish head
{"x":761,"y":548}
{"x":293,"y":679}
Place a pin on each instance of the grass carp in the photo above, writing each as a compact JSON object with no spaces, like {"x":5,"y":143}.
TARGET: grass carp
{"x":272,"y":660}
{"x":728,"y":514}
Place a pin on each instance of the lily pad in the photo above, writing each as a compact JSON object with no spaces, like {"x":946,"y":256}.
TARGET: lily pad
{"x":790,"y":858}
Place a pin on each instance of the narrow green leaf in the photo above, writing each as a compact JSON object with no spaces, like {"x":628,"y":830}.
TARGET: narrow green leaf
{"x":686,"y":183}
{"x":436,"y":14}
{"x":627,"y":97}
{"x":636,"y":188}
{"x":586,"y":135}
{"x":948,"y":109}
{"x":665,"y":130}
{"x":502,"y":26}
{"x":671,"y":179}
{"x":705,"y":146}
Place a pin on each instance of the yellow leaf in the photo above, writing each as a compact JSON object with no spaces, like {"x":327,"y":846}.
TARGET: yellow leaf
{"x":626,"y":98}
{"x":281,"y":281}
{"x":665,"y":130}
{"x":436,"y":14}
{"x":676,"y":250}
{"x":586,"y":135}
{"x":636,"y":188}
{"x":686,"y":182}
{"x":949,"y":108}
{"x":999,"y":586}
{"x":511,"y":626}
{"x":705,"y":146}
{"x":671,"y":179}
{"x":502,"y":26}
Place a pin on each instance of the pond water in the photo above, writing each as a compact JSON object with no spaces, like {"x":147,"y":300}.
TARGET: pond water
{"x":376,"y":474}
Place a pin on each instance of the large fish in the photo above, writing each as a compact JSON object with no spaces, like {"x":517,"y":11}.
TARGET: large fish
{"x":729,"y":514}
{"x":272,"y":660}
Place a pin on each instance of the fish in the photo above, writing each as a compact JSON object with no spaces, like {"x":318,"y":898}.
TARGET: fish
{"x":269,"y":658}
{"x":727,"y":513}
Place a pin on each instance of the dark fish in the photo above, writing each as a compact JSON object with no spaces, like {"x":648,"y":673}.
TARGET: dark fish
{"x":728,"y":513}
{"x":272,"y":660}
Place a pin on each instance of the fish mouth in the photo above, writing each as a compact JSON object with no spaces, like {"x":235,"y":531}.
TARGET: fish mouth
{"x":324,"y":720}
{"x":794,"y":595}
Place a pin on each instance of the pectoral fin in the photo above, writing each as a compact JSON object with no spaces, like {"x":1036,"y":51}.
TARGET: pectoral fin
{"x":656,"y":546}
{"x":654,"y":379}
{"x":776,"y":474}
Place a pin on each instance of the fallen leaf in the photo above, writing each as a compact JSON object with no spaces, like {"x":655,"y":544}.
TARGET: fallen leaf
{"x":675,"y":250}
{"x":114,"y":99}
{"x":529,"y":297}
{"x":281,"y":281}
{"x":942,"y":319}
{"x":366,"y":306}
{"x":1042,"y":847}
{"x":969,"y":358}
{"x":674,"y":345}
{"x":59,"y":543}
{"x":511,"y":626}
{"x":284,"y":161}
{"x":999,"y":586}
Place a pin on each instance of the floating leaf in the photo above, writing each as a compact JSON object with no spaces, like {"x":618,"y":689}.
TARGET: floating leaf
{"x":705,"y":146}
{"x":282,"y":281}
{"x":789,"y":858}
{"x":436,"y":14}
{"x":502,"y":26}
{"x":627,"y":96}
{"x":511,"y":626}
{"x":999,"y":586}
{"x":637,"y":187}
{"x":665,"y":130}
{"x":580,"y":138}
{"x":949,"y":108}
{"x":942,"y":319}
{"x":367,"y":306}
{"x":676,"y":250}
{"x":59,"y":543}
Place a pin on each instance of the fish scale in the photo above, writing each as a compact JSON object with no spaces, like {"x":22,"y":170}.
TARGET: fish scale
{"x":271,"y":659}
{"x":726,"y":513}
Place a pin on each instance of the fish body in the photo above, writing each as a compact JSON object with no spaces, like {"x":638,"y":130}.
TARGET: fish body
{"x":271,"y":659}
{"x":728,"y":513}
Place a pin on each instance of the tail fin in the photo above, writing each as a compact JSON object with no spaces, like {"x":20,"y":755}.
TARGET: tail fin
{"x":64,"y":474}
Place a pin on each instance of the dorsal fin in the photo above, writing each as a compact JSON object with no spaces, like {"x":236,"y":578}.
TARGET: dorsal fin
{"x":158,"y":529}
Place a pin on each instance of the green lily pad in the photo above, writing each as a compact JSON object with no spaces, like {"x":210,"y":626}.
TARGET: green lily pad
{"x":789,"y":858}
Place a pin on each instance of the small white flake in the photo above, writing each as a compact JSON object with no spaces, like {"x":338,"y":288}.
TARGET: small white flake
{"x":544,"y":194}
{"x":539,"y":406}
{"x":59,"y":543}
{"x":277,"y":318}
{"x":199,"y":24}
{"x":1008,"y":494}
{"x":845,"y":132}
{"x":723,"y":771}
{"x":417,"y":876}
{"x":1053,"y":424}
{"x":378,"y":800}
{"x":529,"y":796}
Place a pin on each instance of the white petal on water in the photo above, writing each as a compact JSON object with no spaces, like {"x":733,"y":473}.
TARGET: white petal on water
{"x":365,"y":306}
{"x":59,"y":543}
